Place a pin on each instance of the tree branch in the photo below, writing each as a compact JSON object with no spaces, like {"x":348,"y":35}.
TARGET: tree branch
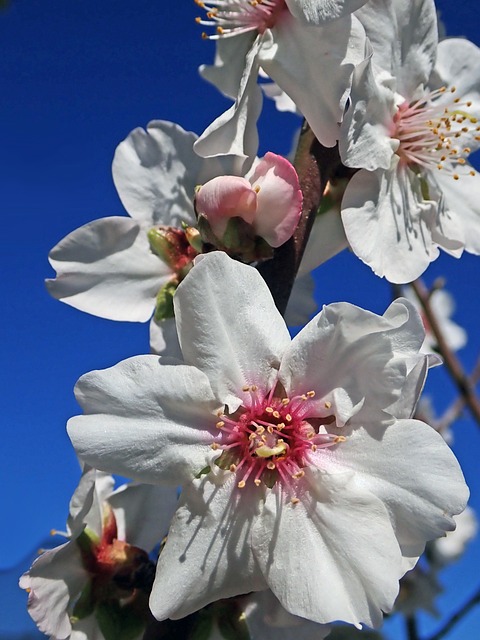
{"x":461,"y":613}
{"x":460,"y":378}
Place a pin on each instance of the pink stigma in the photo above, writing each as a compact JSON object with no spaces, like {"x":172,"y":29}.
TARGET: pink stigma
{"x":430,"y":132}
{"x":233,"y":17}
{"x":270,"y":439}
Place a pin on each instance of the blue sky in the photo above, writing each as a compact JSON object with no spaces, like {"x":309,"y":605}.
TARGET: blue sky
{"x":76,"y":77}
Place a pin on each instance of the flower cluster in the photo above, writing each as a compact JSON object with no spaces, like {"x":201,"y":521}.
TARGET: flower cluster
{"x":278,"y":484}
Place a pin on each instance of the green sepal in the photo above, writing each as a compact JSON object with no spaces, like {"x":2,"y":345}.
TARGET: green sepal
{"x":84,"y":605}
{"x":425,"y":189}
{"x":87,"y":541}
{"x":232,"y":625}
{"x":164,"y":302}
{"x":117,"y":622}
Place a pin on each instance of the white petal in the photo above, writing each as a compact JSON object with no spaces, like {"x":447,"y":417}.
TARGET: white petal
{"x":346,"y":562}
{"x":146,"y":418}
{"x":326,"y":240}
{"x":55,"y":579}
{"x":301,"y":304}
{"x":227,"y":71}
{"x":314,"y":65}
{"x":349,"y":357}
{"x":320,"y":11}
{"x":404,"y":38}
{"x":107,"y":268}
{"x":155,"y":172}
{"x":365,"y":139}
{"x":143,"y":513}
{"x":208,"y":552}
{"x":235,"y":131}
{"x":229,"y":327}
{"x":164,"y":338}
{"x":413,"y":471}
{"x":462,"y":201}
{"x":387,"y":223}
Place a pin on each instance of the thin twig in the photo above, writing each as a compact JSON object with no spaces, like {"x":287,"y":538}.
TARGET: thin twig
{"x":412,"y":629}
{"x":462,"y":381}
{"x":456,"y":408}
{"x":461,"y":613}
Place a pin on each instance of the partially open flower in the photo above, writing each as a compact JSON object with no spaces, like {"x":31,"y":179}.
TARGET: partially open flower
{"x":268,"y":198}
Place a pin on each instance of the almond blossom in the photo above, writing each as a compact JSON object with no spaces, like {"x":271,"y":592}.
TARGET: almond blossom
{"x":103,"y":573}
{"x":293,"y":454}
{"x":308,"y":48}
{"x":410,"y":129}
{"x":127,"y":268}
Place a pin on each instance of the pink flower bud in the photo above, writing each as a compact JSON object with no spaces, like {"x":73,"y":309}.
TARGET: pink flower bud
{"x":269,"y":199}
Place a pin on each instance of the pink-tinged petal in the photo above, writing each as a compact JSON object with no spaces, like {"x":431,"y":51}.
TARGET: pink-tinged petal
{"x":335,"y":571}
{"x":226,"y":197}
{"x":229,"y":327}
{"x":391,"y":463}
{"x":107,"y":268}
{"x":208,"y":554}
{"x":55,"y":580}
{"x":145,"y":418}
{"x":279,"y":199}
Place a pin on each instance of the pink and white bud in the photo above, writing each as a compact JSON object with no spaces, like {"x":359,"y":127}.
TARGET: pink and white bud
{"x":269,"y":198}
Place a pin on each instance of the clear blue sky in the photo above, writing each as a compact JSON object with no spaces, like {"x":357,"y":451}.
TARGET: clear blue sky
{"x":75,"y":78}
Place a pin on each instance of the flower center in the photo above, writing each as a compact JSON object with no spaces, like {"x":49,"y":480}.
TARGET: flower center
{"x":270,"y":438}
{"x":431,"y":129}
{"x":232,"y":17}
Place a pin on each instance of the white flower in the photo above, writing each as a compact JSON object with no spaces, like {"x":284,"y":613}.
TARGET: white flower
{"x":294,"y":455}
{"x":74,"y":588}
{"x":312,"y":64}
{"x":442,"y":305}
{"x":411,"y":126}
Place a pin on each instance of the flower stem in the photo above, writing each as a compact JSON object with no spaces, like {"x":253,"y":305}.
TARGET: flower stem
{"x":448,"y":626}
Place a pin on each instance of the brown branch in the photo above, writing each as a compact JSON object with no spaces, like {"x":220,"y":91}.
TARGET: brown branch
{"x":460,"y":378}
{"x":314,"y":164}
{"x":456,"y":408}
{"x":461,"y":613}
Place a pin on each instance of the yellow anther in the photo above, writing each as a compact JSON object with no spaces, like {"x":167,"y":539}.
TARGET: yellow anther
{"x":340,"y":439}
{"x":257,"y":481}
{"x":198,"y":20}
{"x":288,"y":417}
{"x":467,"y":150}
{"x":280,"y":426}
{"x":469,"y":103}
{"x":214,"y":446}
{"x":453,"y":89}
{"x":294,"y":500}
{"x":269,"y":410}
{"x":259,"y":430}
{"x":472,"y":173}
{"x":270,"y":465}
{"x":299,"y":474}
{"x":232,"y":468}
{"x":285,"y":401}
{"x":270,"y":428}
{"x":220,"y":424}
{"x":275,"y":414}
{"x":439,"y":166}
{"x":328,"y":405}
{"x":456,"y":176}
{"x":220,"y":31}
{"x":257,"y":189}
{"x":311,"y":394}
{"x":314,"y":447}
{"x":246,"y":388}
{"x":241,"y":484}
{"x":254,"y":387}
